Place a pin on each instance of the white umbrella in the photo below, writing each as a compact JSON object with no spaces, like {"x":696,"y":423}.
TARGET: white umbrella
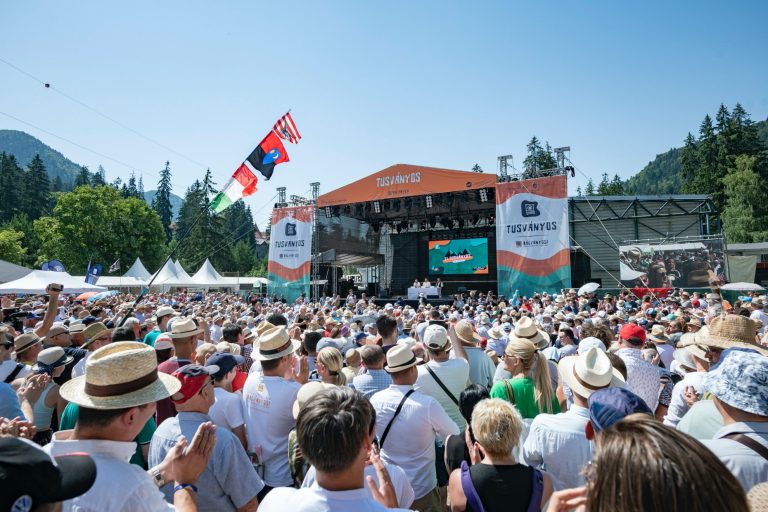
{"x":588,"y":288}
{"x":742,"y":287}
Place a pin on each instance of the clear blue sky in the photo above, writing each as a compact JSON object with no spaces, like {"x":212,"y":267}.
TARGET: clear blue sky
{"x":438,"y":83}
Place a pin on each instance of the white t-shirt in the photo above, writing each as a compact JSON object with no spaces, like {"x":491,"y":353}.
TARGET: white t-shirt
{"x":6,"y":367}
{"x":761,"y":317}
{"x":400,"y":482}
{"x":268,"y":420}
{"x":227,"y":411}
{"x":317,"y":499}
{"x":454,"y":374}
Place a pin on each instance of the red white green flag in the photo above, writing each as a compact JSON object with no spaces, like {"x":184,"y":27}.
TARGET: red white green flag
{"x":242,"y":184}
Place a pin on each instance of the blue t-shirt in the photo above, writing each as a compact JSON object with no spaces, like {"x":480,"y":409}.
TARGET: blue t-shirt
{"x":9,"y":403}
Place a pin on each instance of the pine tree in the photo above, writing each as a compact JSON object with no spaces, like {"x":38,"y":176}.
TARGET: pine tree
{"x":689,"y":162}
{"x":590,"y":189}
{"x":140,"y":187}
{"x":37,"y":189}
{"x":132,"y":189}
{"x":117,"y":184}
{"x":99,"y":177}
{"x":161,"y":203}
{"x":617,"y":186}
{"x":745,"y":218}
{"x":578,"y":192}
{"x":538,"y":158}
{"x":83,"y":177}
{"x":604,"y":188}
{"x":57,"y":185}
{"x":11,"y":187}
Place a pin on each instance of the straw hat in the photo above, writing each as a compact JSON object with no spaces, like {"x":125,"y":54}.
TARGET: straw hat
{"x":274,"y":343}
{"x":496,"y":333}
{"x":95,"y":331}
{"x":120,"y":375}
{"x":526,"y":329}
{"x":733,"y":331}
{"x":399,"y":358}
{"x":76,"y":327}
{"x":25,"y":341}
{"x":758,"y":497}
{"x":465,"y":332}
{"x":590,"y":371}
{"x":690,"y":342}
{"x":657,"y":335}
{"x":305,"y":394}
{"x":52,"y":358}
{"x":184,"y":328}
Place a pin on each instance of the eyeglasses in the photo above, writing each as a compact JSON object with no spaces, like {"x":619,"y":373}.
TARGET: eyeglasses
{"x":7,"y":345}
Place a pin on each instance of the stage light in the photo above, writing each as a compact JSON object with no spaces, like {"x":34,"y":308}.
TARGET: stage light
{"x":483,"y":195}
{"x":423,"y":225}
{"x":377,"y":207}
{"x":571,"y":169}
{"x":429,"y":201}
{"x":432,"y":222}
{"x":328,"y":212}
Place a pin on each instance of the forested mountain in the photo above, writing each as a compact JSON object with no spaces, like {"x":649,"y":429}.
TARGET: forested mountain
{"x":176,"y":201}
{"x":24,"y":147}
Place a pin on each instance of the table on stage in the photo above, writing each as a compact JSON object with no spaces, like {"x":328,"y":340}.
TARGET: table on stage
{"x":413,"y":292}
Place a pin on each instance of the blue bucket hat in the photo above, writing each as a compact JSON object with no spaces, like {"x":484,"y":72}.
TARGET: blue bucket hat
{"x":741,"y":381}
{"x":609,"y":405}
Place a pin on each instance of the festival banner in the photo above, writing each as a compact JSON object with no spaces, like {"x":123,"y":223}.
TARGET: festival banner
{"x":532,"y":247}
{"x":290,"y":252}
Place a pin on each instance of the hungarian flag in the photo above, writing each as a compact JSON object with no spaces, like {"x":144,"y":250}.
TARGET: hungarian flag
{"x":267,"y":155}
{"x":242,"y":184}
{"x":286,"y":129}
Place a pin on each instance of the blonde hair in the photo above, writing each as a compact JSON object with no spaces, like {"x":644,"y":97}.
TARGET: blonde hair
{"x":331,"y":358}
{"x":497,"y":425}
{"x":535,"y":366}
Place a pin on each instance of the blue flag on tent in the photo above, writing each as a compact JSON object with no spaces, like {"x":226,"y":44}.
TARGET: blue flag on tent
{"x":93,"y":273}
{"x":53,"y":266}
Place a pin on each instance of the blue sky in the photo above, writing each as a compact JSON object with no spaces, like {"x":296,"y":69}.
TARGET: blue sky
{"x":371,"y":84}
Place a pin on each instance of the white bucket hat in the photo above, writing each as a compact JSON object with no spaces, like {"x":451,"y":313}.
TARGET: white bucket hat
{"x":590,"y":371}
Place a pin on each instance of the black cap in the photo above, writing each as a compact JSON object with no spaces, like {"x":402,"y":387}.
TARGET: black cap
{"x":29,"y":476}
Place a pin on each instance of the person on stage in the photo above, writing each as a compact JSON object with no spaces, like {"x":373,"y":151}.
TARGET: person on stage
{"x":416,"y":283}
{"x":426,"y":283}
{"x":439,"y":283}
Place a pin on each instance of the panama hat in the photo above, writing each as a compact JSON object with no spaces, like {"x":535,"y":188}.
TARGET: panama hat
{"x":165,"y":311}
{"x":657,"y":335}
{"x":274,"y":343}
{"x":76,"y":327}
{"x":496,"y":333}
{"x":25,"y":341}
{"x":52,"y":358}
{"x":590,"y":371}
{"x":690,"y":341}
{"x":526,"y":329}
{"x":399,"y":358}
{"x":465,"y":332}
{"x":734,"y":331}
{"x":121,"y":375}
{"x":95,"y":331}
{"x":262,"y":328}
{"x":305,"y":394}
{"x":184,"y":329}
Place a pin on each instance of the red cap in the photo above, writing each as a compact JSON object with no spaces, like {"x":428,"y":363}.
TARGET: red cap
{"x":192,"y":377}
{"x":631,"y":330}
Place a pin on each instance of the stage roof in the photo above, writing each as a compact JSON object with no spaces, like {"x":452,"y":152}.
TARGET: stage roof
{"x":404,"y":180}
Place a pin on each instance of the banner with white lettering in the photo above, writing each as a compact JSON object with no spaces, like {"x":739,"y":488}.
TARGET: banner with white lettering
{"x":290,"y":252}
{"x":532,"y":247}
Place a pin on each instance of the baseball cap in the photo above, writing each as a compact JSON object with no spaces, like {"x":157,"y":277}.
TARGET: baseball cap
{"x":225,"y":362}
{"x":630,"y":332}
{"x":192,"y":377}
{"x":435,"y":337}
{"x":609,"y":405}
{"x":31,"y":477}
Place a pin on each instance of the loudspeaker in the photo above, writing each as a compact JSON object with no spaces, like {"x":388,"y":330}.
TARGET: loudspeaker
{"x":372,"y":289}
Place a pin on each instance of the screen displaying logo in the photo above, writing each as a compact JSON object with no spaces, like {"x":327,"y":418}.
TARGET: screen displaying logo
{"x":530,"y":208}
{"x":290,"y":229}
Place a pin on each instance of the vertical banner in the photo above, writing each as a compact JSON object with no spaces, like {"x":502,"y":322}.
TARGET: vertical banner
{"x":290,"y":252}
{"x":532,"y":247}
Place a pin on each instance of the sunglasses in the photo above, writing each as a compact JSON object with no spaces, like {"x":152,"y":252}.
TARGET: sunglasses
{"x":7,"y":344}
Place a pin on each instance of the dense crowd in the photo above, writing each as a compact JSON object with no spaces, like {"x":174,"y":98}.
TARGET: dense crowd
{"x":213,"y":401}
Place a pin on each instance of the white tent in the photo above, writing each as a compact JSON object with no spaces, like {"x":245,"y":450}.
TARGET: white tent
{"x":181,"y":272}
{"x":167,"y":277}
{"x":139,"y":271}
{"x":121,"y":282}
{"x":37,"y":280}
{"x":208,"y":277}
{"x":10,"y":271}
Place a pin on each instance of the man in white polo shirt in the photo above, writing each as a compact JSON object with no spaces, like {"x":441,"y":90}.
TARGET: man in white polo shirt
{"x":407,"y":424}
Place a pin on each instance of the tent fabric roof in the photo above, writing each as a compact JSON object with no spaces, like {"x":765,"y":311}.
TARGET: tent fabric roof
{"x":10,"y":271}
{"x":138,"y":270}
{"x":208,"y":276}
{"x":122,"y":282}
{"x":37,"y":280}
{"x":181,"y":272}
{"x":167,"y":276}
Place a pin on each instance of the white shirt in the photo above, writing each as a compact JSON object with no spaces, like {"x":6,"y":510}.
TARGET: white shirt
{"x":749,"y":467}
{"x":400,"y":482}
{"x":268,"y":420}
{"x":227,"y":411}
{"x":79,"y":369}
{"x":317,"y":499}
{"x":135,"y":491}
{"x":454,"y":373}
{"x":215,"y":333}
{"x":678,"y":406}
{"x":761,"y":317}
{"x":642,"y":377}
{"x":557,"y":444}
{"x":666,"y":354}
{"x":410,"y":442}
{"x":7,"y":367}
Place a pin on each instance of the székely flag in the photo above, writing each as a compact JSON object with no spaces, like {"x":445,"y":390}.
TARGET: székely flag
{"x":267,"y":155}
{"x":286,"y":129}
{"x":242,"y":184}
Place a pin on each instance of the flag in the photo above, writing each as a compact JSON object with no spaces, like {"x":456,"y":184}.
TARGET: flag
{"x":267,"y":155}
{"x":53,"y":266}
{"x":286,"y":129}
{"x":241,"y":184}
{"x":93,"y":273}
{"x":115,"y":266}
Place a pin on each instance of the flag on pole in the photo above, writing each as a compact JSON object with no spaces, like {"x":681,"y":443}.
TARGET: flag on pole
{"x":267,"y":155}
{"x":115,"y":266}
{"x":93,"y":273}
{"x":242,"y":183}
{"x":286,"y":129}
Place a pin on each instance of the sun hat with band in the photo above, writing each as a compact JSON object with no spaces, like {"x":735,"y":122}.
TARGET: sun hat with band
{"x":275,"y":343}
{"x":588,"y":372}
{"x":164,"y":342}
{"x":525,"y":329}
{"x":192,"y":378}
{"x":465,"y":332}
{"x":184,"y":328}
{"x":95,"y":331}
{"x":31,"y":477}
{"x":399,"y":358}
{"x":731,"y":331}
{"x":51,"y":358}
{"x":25,"y":341}
{"x":120,"y":375}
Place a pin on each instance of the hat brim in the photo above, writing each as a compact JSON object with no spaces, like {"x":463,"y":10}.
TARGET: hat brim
{"x":416,"y":361}
{"x":541,"y":340}
{"x":97,"y":337}
{"x":68,"y":360}
{"x":476,"y":338}
{"x":165,"y":386}
{"x":295,"y":344}
{"x":565,"y":366}
{"x":181,"y":335}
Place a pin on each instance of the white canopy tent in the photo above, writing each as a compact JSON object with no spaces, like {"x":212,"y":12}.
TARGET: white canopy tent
{"x":121,"y":282}
{"x":37,"y":280}
{"x":138,"y":271}
{"x":208,"y":277}
{"x":10,"y":271}
{"x":167,"y":277}
{"x":181,"y":272}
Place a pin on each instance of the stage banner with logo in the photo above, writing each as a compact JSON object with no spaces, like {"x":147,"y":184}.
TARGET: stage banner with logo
{"x":532,"y":247}
{"x":290,"y":252}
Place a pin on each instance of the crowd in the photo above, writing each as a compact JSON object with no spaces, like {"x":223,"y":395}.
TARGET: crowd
{"x":225,"y":402}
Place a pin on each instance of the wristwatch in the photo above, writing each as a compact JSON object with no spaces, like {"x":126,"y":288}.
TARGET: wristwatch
{"x":157,"y":476}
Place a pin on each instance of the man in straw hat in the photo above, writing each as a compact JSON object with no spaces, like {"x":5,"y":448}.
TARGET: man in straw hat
{"x":116,"y":397}
{"x":407,"y":423}
{"x":268,"y":399}
{"x":229,"y":481}
{"x":481,"y":368}
{"x":558,"y":442}
{"x":95,"y":336}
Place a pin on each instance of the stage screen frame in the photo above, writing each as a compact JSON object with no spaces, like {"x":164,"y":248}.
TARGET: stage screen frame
{"x":433,"y":269}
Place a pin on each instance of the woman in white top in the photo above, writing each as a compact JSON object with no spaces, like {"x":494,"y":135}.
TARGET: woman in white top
{"x":50,"y":361}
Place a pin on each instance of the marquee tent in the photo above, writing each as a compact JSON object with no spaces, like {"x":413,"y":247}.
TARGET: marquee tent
{"x":181,"y":272}
{"x":37,"y":280}
{"x":167,"y":277}
{"x":139,"y":271}
{"x":10,"y":271}
{"x":208,"y":277}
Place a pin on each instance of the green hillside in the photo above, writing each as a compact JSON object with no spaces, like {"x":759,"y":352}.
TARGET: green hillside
{"x":24,"y":147}
{"x":175,"y":201}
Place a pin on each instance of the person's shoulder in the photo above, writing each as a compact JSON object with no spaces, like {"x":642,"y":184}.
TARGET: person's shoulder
{"x":279,"y":497}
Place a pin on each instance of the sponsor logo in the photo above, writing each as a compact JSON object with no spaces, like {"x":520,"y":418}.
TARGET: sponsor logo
{"x":290,"y":229}
{"x":530,"y":208}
